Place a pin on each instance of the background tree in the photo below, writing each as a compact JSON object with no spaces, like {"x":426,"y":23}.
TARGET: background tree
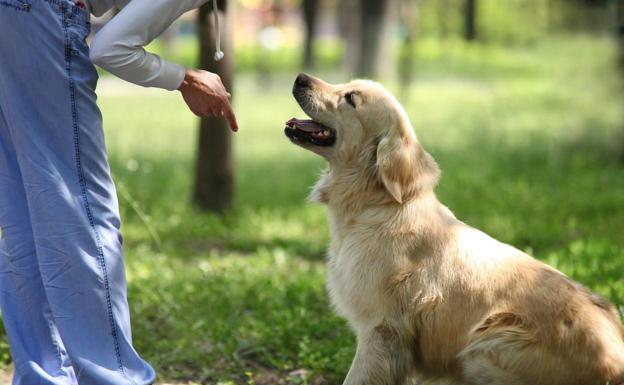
{"x":442,"y":18}
{"x":372,"y":21}
{"x":363,"y":27}
{"x":409,"y":22}
{"x":619,"y":17}
{"x":470,"y":20}
{"x":310,"y":14}
{"x":214,"y":178}
{"x":349,"y":19}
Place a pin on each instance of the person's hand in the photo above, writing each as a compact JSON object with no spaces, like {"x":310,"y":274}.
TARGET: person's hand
{"x":205,"y":95}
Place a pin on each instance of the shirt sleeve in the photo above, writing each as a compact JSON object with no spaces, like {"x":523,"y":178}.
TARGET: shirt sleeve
{"x":119,"y":46}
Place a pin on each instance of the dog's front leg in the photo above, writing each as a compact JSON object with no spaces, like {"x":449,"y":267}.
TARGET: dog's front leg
{"x":381,"y":359}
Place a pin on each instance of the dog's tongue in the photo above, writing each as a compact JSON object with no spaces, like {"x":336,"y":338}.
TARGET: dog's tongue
{"x":306,"y":125}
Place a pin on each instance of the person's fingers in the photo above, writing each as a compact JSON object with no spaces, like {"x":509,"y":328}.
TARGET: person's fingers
{"x":218,"y":105}
{"x":229,"y":115}
{"x":212,"y":112}
{"x":204,"y":110}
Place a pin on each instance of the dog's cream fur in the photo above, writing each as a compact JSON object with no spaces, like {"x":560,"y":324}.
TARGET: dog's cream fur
{"x":428,"y":296}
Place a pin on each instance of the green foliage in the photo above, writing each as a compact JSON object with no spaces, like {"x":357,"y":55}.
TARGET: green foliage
{"x":509,"y":21}
{"x":440,"y":25}
{"x":524,"y":136}
{"x":514,"y":21}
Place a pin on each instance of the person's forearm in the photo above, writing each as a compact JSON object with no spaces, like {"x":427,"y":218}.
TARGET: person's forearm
{"x":140,"y":67}
{"x":118,"y":47}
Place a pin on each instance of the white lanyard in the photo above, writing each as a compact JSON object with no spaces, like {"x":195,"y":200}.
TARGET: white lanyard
{"x":218,"y":53}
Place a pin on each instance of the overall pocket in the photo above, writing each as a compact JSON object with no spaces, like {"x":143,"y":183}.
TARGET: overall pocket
{"x":76,"y":24}
{"x":78,"y":34}
{"x":18,"y":5}
{"x":77,"y":27}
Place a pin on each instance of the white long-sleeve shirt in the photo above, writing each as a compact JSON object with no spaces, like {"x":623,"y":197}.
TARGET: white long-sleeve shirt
{"x":119,"y":46}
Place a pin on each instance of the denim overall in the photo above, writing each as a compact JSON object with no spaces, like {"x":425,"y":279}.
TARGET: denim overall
{"x":62,"y":279}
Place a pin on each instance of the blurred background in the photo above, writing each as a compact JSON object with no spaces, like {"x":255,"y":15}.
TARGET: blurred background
{"x":520,"y":101}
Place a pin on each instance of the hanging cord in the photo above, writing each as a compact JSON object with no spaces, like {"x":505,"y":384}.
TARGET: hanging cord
{"x":218,"y":53}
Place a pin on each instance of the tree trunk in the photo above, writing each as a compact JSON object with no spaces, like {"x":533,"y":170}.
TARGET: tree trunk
{"x":409,"y":19}
{"x":310,"y":15}
{"x":349,"y":17}
{"x":372,"y":19}
{"x":470,"y":20}
{"x":620,"y":33}
{"x":214,"y":179}
{"x":442,"y":14}
{"x":619,"y":18}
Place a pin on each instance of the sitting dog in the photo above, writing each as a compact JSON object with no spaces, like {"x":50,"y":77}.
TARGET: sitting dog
{"x":429,"y":297}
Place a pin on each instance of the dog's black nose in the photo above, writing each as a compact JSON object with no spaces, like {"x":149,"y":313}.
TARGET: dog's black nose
{"x":303,"y":81}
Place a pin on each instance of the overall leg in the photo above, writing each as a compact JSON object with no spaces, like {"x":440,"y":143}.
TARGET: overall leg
{"x":56,"y":130}
{"x":37,"y":350}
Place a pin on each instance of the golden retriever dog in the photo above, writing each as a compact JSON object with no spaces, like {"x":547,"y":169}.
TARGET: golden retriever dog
{"x":430,"y":298}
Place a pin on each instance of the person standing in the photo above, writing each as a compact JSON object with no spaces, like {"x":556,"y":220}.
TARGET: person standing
{"x":62,"y":279}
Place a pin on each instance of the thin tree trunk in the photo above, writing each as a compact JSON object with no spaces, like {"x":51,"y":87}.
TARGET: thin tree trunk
{"x":350,"y":29}
{"x":373,"y":18}
{"x":310,"y":15}
{"x":409,"y":19}
{"x":470,"y":20}
{"x":442,"y":14}
{"x":619,"y":19}
{"x":620,"y":33}
{"x":214,"y":179}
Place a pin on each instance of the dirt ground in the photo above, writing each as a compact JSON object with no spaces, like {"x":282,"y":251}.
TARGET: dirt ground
{"x":5,"y":377}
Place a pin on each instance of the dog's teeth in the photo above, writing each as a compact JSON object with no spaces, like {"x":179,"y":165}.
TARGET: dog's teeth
{"x":326,"y":132}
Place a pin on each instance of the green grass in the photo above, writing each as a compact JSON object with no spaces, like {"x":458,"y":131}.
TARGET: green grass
{"x":529,"y":141}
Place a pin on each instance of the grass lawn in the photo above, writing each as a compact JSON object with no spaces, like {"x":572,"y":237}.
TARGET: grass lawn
{"x":529,"y":140}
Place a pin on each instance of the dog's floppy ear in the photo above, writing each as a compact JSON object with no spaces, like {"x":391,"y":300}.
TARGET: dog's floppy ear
{"x":403,"y":166}
{"x":395,"y":165}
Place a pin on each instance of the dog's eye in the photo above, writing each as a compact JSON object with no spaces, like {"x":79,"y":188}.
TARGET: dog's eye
{"x":349,"y":98}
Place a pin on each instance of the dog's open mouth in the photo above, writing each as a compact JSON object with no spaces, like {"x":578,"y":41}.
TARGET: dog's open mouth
{"x":308,"y":131}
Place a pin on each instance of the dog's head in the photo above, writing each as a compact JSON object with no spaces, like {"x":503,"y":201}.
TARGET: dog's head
{"x":363,"y":131}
